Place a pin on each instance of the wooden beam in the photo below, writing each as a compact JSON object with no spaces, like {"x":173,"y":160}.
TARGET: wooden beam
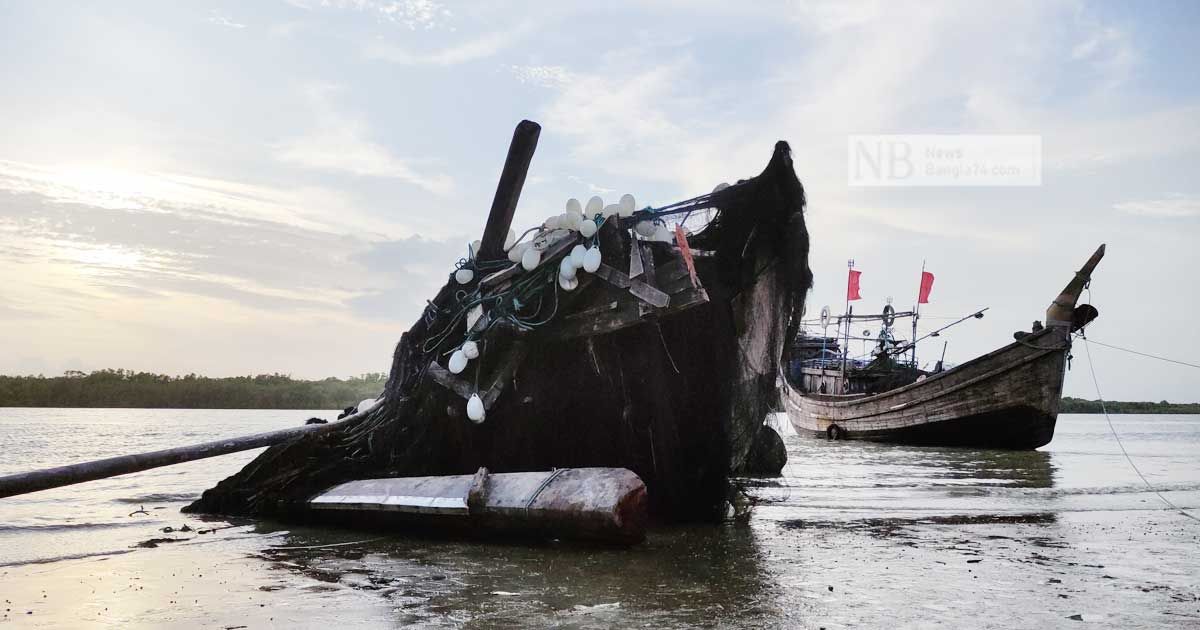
{"x":508,"y":191}
{"x":47,"y":478}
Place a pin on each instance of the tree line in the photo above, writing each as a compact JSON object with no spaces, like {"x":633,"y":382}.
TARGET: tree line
{"x":126,"y":388}
{"x":1079,"y":405}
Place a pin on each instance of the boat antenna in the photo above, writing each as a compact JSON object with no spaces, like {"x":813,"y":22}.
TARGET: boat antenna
{"x":976,"y":315}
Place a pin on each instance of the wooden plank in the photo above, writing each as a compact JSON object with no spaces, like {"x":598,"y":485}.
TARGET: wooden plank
{"x":635,"y":257}
{"x":499,"y":277}
{"x":645,"y":292}
{"x":504,"y":373}
{"x":626,"y":314}
{"x":452,"y":382}
{"x":508,"y":190}
{"x":613,"y":276}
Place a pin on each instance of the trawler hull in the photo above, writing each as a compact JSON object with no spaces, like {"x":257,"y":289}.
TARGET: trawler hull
{"x":1008,"y":398}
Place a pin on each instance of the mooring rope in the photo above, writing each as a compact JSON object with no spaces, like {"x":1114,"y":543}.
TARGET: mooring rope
{"x":1152,"y":356}
{"x":1103,"y":408}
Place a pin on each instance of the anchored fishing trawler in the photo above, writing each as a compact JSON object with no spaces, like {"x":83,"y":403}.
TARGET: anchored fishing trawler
{"x":1008,"y":398}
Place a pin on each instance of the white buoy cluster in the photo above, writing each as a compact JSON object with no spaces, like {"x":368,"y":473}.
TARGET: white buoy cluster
{"x":576,"y":218}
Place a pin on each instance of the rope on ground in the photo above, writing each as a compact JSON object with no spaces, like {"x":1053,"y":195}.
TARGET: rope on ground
{"x":1096,"y":382}
{"x":343,"y":544}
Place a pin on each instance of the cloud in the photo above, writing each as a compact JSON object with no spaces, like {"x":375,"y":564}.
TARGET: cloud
{"x":341,"y":144}
{"x":543,"y":76}
{"x":413,"y":14}
{"x":1172,"y":207}
{"x":482,"y":46}
{"x":221,"y":20}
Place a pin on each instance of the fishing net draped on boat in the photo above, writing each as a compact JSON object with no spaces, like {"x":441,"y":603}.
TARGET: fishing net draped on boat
{"x":662,"y":360}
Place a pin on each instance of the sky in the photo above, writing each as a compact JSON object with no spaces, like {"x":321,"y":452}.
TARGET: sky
{"x":229,"y":188}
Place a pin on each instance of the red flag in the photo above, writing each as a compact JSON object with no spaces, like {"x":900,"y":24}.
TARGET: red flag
{"x":926,"y":287}
{"x":852,"y":286}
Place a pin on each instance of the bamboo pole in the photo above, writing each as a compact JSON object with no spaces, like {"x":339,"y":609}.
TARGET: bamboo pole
{"x":47,"y":478}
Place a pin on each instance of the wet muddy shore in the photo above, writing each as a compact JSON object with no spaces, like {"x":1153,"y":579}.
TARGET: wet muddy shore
{"x":853,"y":535}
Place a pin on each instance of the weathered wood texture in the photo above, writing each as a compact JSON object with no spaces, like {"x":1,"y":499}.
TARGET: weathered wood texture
{"x":508,"y":191}
{"x":603,"y":504}
{"x":1008,"y":398}
{"x":675,"y":396}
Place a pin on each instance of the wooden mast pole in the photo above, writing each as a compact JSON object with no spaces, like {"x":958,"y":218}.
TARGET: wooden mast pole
{"x":508,"y":190}
{"x":917,"y":314}
{"x":849,"y":319}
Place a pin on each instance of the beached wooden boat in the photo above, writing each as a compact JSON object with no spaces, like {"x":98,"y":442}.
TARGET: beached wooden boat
{"x":1008,"y":398}
{"x":659,"y":355}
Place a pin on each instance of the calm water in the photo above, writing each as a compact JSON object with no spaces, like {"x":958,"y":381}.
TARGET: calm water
{"x":853,"y":534}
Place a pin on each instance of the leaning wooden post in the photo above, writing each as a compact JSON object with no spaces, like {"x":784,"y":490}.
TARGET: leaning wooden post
{"x":508,"y":191}
{"x":47,"y":478}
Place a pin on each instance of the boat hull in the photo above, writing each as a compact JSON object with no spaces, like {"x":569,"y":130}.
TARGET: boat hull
{"x":1008,"y":398}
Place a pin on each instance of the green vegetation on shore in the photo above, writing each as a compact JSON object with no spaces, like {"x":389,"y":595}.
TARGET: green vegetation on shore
{"x":125,"y":388}
{"x":1079,"y":405}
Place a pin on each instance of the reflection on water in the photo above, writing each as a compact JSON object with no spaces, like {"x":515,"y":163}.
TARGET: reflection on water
{"x":853,"y":534}
{"x":680,"y":577}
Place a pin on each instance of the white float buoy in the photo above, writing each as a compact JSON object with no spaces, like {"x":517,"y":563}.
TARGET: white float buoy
{"x":645,"y":228}
{"x":576,"y":256}
{"x":470,"y":349}
{"x":566,"y":268}
{"x":594,"y":205}
{"x":475,"y":245}
{"x":587,"y":227}
{"x":463,"y":276}
{"x":592,"y":260}
{"x":568,"y":284}
{"x":367,"y":404}
{"x":475,"y":410}
{"x":573,"y":206}
{"x":457,"y":362}
{"x":514,"y":252}
{"x":721,"y":186}
{"x":531,"y":258}
{"x":628,"y":205}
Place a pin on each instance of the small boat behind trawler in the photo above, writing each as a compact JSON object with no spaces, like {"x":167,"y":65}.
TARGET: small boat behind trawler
{"x":1008,"y":398}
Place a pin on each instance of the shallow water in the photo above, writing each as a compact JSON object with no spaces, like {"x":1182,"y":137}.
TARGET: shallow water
{"x":853,"y":535}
